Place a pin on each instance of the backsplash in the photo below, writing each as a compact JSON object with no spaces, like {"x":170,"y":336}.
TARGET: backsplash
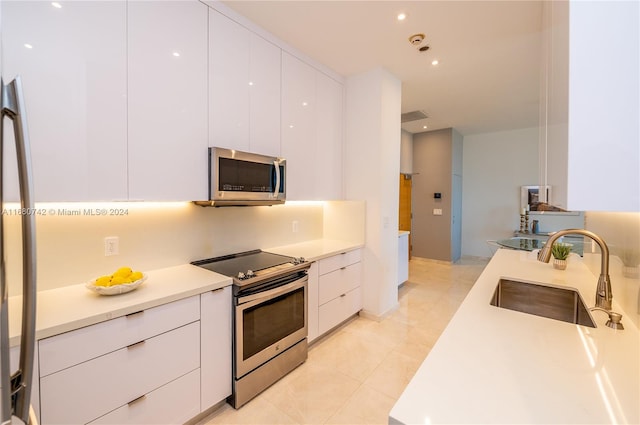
{"x":621,"y":231}
{"x":70,"y":243}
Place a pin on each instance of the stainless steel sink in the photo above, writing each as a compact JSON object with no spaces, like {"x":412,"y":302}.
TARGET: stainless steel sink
{"x":546,"y":301}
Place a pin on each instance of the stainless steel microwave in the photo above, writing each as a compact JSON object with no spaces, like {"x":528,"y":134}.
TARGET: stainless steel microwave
{"x":241,"y":179}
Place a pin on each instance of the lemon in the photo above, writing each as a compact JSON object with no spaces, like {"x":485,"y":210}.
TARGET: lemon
{"x":135,"y":276}
{"x":119,"y":280}
{"x":103,"y":281}
{"x":123,"y":272}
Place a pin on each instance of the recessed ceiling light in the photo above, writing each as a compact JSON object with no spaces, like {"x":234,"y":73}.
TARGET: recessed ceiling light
{"x":176,"y":54}
{"x":28,"y":46}
{"x":56,"y":5}
{"x":435,"y":62}
{"x":424,"y":126}
{"x":304,"y":104}
{"x":402,"y":16}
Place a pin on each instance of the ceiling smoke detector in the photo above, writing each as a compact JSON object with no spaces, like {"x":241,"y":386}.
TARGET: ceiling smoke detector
{"x":416,"y":39}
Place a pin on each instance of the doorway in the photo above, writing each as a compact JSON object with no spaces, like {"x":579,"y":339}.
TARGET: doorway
{"x":404,"y":213}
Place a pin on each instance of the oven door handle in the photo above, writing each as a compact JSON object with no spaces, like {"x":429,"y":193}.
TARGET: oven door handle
{"x":272,"y":293}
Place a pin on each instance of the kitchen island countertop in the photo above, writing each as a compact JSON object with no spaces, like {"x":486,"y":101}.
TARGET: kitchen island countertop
{"x":493,"y":365}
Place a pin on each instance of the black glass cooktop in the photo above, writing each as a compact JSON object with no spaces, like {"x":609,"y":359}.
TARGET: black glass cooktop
{"x":231,"y":265}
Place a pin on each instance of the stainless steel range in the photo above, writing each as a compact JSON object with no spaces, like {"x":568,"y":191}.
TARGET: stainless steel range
{"x":270,"y":317}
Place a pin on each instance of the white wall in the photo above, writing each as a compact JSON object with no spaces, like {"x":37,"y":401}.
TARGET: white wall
{"x":406,"y":152}
{"x":621,"y":232}
{"x":70,"y":249}
{"x":495,"y":166}
{"x":372,"y":166}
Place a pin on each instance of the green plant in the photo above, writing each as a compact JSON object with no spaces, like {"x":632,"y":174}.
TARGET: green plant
{"x":561,"y":251}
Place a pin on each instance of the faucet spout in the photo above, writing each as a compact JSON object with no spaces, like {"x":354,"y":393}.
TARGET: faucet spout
{"x":604,"y":295}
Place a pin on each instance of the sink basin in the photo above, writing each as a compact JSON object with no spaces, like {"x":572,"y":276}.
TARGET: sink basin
{"x":546,"y":301}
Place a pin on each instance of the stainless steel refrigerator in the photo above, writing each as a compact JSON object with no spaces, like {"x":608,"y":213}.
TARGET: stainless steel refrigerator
{"x":15,"y":385}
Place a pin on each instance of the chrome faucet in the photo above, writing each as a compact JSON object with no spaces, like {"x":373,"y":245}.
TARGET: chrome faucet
{"x":603,"y":290}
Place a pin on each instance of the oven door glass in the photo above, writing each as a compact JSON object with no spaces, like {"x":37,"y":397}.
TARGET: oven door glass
{"x":269,"y":324}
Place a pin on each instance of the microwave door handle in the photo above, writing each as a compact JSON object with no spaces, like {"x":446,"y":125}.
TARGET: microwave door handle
{"x":276,"y":164}
{"x":14,"y":108}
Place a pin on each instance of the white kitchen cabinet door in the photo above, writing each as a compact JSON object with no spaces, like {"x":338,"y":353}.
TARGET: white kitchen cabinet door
{"x":215,"y":346}
{"x":86,"y":391}
{"x":338,"y":282}
{"x":312,"y":302}
{"x":299,"y":127}
{"x":329,"y":127}
{"x":167,"y":83}
{"x":174,"y":403}
{"x":591,"y":154}
{"x":264,"y":90}
{"x":403,"y":258}
{"x":229,"y":52}
{"x":72,"y":60}
{"x":339,"y":309}
{"x":244,"y":88}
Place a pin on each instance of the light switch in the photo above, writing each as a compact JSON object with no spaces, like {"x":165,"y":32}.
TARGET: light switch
{"x":437,"y":211}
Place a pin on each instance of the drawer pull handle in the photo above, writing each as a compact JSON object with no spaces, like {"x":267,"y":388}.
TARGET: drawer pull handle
{"x":135,"y":345}
{"x":136,"y":400}
{"x":134,"y":314}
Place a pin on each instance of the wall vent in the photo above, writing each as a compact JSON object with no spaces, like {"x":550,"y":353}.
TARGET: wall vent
{"x":413,"y":116}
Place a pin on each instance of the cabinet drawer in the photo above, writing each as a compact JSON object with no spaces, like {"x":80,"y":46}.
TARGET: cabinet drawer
{"x":174,"y":403}
{"x":336,"y":262}
{"x":71,"y":348}
{"x":91,"y":389}
{"x":338,"y":310}
{"x":338,"y":282}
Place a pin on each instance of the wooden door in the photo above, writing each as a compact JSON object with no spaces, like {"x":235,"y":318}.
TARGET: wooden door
{"x":404,"y":213}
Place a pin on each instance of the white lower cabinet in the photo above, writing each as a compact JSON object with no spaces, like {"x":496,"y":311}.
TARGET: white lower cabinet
{"x":339,"y":309}
{"x":91,"y":389}
{"x":215,"y":346}
{"x":334,"y":292}
{"x":162,"y":365}
{"x":173,"y":403}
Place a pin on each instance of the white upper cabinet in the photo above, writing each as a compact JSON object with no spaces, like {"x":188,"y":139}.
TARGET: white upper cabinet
{"x":167,"y":43}
{"x":264,"y":90}
{"x":72,"y":60}
{"x":299,"y":127}
{"x":329,"y":113}
{"x":244,"y":87}
{"x":593,"y":131}
{"x":311,"y":131}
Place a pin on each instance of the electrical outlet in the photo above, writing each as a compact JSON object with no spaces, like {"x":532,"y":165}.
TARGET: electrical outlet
{"x":294,"y":226}
{"x":437,"y":211}
{"x":111,"y":246}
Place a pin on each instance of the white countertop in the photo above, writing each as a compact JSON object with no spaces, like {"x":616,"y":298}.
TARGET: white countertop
{"x":316,"y":249}
{"x":493,"y":365}
{"x":72,"y":307}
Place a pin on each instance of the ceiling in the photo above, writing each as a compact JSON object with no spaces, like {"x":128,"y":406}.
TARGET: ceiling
{"x":487,"y":78}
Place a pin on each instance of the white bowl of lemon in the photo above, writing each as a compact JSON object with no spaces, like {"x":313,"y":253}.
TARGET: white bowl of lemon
{"x":121,"y":281}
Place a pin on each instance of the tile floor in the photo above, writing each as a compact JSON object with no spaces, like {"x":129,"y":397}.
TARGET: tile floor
{"x":355,"y":374}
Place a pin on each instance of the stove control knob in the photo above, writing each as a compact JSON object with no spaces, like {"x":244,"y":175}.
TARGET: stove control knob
{"x":241,"y":276}
{"x":298,"y":260}
{"x":250,"y":274}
